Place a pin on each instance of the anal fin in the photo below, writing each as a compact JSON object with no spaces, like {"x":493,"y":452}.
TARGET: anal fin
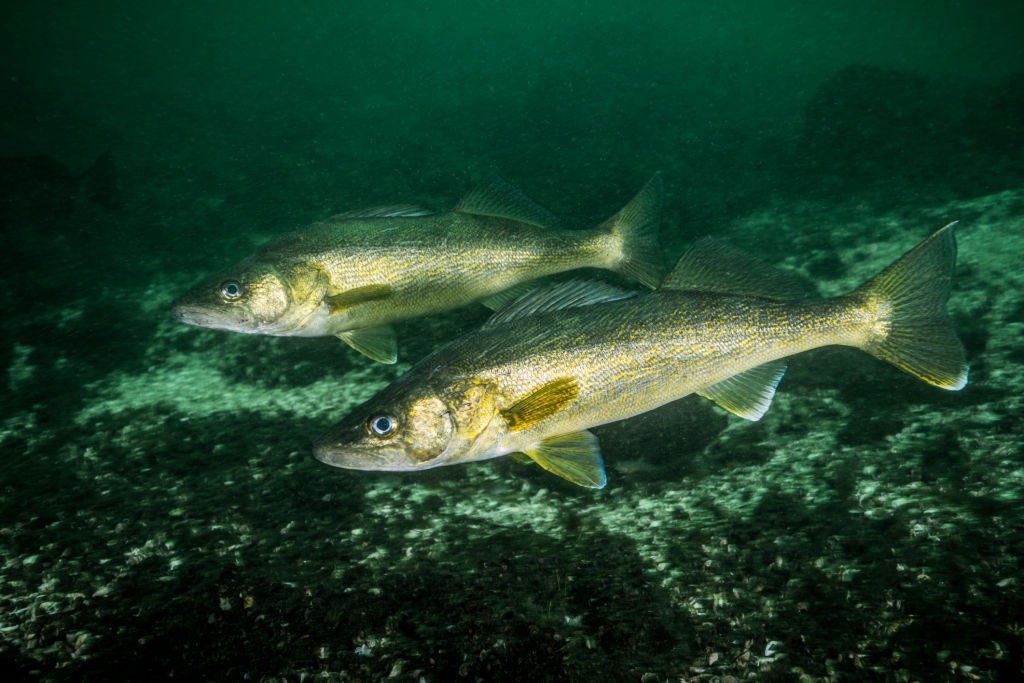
{"x":750,"y":393}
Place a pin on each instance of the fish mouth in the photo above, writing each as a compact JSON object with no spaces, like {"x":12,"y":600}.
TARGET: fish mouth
{"x":331,"y":452}
{"x":191,"y":315}
{"x":201,"y":316}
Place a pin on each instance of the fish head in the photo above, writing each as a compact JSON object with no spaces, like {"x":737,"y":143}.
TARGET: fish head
{"x":254,"y":297}
{"x":403,"y":431}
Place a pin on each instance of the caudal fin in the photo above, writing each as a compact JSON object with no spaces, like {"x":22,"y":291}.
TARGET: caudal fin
{"x":913,"y":331}
{"x":637,"y":226}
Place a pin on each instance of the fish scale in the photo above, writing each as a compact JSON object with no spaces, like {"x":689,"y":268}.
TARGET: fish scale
{"x":355,"y":274}
{"x":573,"y":356}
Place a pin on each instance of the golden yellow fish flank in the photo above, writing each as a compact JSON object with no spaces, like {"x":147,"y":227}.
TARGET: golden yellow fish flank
{"x":569,"y":357}
{"x":354,"y":274}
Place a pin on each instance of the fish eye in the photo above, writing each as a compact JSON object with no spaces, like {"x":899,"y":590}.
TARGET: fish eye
{"x":382,"y":425}
{"x":231,"y":290}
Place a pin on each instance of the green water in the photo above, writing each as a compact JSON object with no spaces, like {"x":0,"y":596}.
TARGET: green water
{"x":161,"y":514}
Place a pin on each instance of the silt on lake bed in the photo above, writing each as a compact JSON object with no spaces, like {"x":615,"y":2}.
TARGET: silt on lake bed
{"x":355,"y":273}
{"x":568,"y":357}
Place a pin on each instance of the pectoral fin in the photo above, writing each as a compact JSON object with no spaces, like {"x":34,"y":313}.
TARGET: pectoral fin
{"x":350,"y":297}
{"x":750,"y":393}
{"x":575,"y":456}
{"x":378,"y":343}
{"x":541,"y":403}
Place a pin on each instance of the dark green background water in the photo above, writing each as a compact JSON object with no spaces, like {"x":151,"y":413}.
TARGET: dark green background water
{"x":161,"y":514}
{"x":335,"y":103}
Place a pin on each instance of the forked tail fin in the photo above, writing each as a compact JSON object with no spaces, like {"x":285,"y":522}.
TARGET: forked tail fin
{"x":913,"y":331}
{"x":637,"y":225}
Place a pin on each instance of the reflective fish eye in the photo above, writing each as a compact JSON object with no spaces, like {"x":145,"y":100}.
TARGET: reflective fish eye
{"x":382,"y":425}
{"x":231,"y":290}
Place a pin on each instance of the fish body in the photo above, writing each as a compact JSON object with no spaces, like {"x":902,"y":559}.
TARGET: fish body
{"x":540,"y":374}
{"x":354,"y":274}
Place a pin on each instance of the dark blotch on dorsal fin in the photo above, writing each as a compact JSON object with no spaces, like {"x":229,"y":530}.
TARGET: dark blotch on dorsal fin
{"x":713,"y":266}
{"x":496,"y":197}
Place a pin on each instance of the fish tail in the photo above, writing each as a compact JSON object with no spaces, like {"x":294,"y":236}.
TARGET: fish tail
{"x":906,"y":307}
{"x":636,"y":226}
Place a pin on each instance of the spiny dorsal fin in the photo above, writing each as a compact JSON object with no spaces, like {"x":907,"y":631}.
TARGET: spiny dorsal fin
{"x":575,"y":456}
{"x":350,"y":297}
{"x":495,"y":197}
{"x":750,"y":393}
{"x":541,"y":403}
{"x":395,"y":211}
{"x":559,"y":296}
{"x":713,"y":266}
{"x":503,"y":298}
{"x":378,"y":343}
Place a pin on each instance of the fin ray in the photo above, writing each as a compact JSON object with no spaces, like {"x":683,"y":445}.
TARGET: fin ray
{"x":637,"y":225}
{"x":498,"y":198}
{"x":358,"y":295}
{"x":377,"y":343}
{"x":541,"y":403}
{"x":557,"y":297}
{"x":748,"y":394}
{"x":395,"y":211}
{"x":575,"y":457}
{"x":919,"y":337}
{"x":713,"y":266}
{"x":501,"y":299}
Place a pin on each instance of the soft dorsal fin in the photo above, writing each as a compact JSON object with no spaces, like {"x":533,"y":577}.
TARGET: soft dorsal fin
{"x":559,"y":296}
{"x":495,"y":197}
{"x":713,"y":266}
{"x":750,"y":393}
{"x":541,"y":403}
{"x":378,"y":343}
{"x":575,"y":456}
{"x":396,"y":211}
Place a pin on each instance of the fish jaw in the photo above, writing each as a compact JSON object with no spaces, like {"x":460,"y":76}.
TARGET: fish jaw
{"x":199,"y":315}
{"x":335,"y":453}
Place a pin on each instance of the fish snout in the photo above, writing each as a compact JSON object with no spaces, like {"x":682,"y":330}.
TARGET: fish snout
{"x":203,"y":316}
{"x":179,"y":313}
{"x":193,"y":315}
{"x":345,"y":449}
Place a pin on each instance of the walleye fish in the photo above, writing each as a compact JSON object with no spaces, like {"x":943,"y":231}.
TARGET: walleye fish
{"x":564,"y":359}
{"x":355,"y":273}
